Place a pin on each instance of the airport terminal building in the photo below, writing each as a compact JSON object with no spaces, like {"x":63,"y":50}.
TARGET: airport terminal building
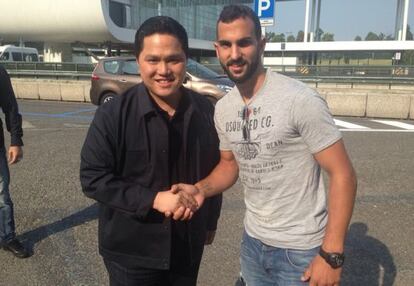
{"x":72,"y":30}
{"x":61,"y":25}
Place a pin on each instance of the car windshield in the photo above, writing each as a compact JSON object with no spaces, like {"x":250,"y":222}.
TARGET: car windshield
{"x":198,"y":70}
{"x":193,"y":67}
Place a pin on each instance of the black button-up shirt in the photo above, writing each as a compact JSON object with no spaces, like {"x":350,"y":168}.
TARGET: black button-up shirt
{"x":126,"y":160}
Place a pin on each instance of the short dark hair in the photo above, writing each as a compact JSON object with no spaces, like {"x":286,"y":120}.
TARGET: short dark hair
{"x":160,"y":25}
{"x":231,"y":13}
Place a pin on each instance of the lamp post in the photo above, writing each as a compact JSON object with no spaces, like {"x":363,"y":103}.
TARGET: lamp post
{"x":283,"y":47}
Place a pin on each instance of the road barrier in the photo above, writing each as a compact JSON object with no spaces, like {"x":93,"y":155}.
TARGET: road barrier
{"x":364,"y":101}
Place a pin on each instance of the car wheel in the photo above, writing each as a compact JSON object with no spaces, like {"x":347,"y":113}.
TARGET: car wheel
{"x":106,"y":97}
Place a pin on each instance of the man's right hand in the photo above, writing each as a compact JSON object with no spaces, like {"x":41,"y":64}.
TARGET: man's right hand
{"x":182,"y":205}
{"x":192,"y":190}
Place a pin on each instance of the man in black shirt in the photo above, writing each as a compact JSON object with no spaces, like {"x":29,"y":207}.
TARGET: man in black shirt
{"x":155,"y":135}
{"x":8,"y":240}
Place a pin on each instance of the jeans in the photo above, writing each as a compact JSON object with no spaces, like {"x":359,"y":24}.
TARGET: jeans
{"x":263,"y":265}
{"x":6,"y":206}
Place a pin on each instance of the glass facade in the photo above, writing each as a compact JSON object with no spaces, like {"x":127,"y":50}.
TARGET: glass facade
{"x":197,"y":16}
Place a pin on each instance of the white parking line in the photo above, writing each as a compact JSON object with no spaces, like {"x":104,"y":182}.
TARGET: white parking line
{"x":27,"y":125}
{"x":349,"y":125}
{"x":396,"y":124}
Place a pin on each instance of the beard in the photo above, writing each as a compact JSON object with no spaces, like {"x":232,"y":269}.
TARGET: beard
{"x":250,"y":68}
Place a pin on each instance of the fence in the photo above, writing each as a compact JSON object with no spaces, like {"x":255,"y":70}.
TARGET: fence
{"x":49,"y":70}
{"x":307,"y":73}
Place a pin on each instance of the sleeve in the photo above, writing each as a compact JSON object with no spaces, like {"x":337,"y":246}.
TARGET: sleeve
{"x":10,"y":109}
{"x":225,"y":145}
{"x":98,"y":176}
{"x":312,"y":119}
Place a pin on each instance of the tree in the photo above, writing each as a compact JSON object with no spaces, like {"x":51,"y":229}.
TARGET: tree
{"x":409,"y":34}
{"x":407,"y":58}
{"x":318,"y":34}
{"x":358,"y":38}
{"x":290,"y":38}
{"x":381,"y":36}
{"x":269,"y":36}
{"x":300,"y":36}
{"x":328,"y":37}
{"x":275,"y":38}
{"x":279,"y":38}
{"x":371,"y":36}
{"x":389,"y":38}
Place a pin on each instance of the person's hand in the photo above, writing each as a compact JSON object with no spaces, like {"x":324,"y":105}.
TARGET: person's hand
{"x":210,"y":237}
{"x":192,"y":190}
{"x":320,"y":273}
{"x":15,"y":154}
{"x":181,"y":204}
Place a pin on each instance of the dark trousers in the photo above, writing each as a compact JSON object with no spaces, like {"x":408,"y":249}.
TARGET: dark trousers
{"x":122,"y":276}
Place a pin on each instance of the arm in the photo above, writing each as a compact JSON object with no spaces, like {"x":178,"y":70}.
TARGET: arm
{"x":342,"y":190}
{"x":11,"y":111}
{"x":223,"y":176}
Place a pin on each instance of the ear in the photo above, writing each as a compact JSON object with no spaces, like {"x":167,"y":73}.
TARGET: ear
{"x":216,"y":46}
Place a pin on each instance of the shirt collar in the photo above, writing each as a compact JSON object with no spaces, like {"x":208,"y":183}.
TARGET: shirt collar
{"x":148,"y":105}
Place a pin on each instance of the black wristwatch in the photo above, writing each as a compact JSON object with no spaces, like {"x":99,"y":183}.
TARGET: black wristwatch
{"x":334,"y":259}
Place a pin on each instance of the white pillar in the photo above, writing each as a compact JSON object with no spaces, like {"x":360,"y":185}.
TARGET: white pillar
{"x":305,"y":32}
{"x":405,"y":20}
{"x":312,"y":25}
{"x":398,"y":21}
{"x":318,"y":16}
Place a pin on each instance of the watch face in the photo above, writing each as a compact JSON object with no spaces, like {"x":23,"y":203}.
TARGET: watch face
{"x":336,"y":260}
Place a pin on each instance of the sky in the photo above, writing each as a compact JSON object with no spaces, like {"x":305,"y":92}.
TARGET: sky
{"x":344,"y":18}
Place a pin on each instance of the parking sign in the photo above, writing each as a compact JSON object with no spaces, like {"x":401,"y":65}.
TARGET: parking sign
{"x":265,"y":11}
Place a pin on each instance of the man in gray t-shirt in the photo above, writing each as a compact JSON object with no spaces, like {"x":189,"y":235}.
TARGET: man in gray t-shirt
{"x":273,"y":137}
{"x":276,"y":134}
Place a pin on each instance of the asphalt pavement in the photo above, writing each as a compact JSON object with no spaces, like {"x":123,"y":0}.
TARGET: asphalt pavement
{"x":59,"y":224}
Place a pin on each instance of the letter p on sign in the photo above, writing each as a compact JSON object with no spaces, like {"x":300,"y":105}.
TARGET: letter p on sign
{"x":263,"y":5}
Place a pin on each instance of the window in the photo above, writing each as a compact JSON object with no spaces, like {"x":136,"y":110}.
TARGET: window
{"x":5,"y":56}
{"x":17,"y":57}
{"x":130,"y":67}
{"x":30,"y":57}
{"x":199,"y":70}
{"x":111,"y":67}
{"x":117,"y":12}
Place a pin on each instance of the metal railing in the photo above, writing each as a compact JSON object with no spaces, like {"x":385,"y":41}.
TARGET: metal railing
{"x":307,"y":73}
{"x":348,"y":74}
{"x":344,"y":74}
{"x":49,"y":70}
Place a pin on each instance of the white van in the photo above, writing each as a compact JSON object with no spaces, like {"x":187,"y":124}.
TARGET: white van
{"x":10,"y":53}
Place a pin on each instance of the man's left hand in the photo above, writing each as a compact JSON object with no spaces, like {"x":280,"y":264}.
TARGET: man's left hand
{"x":320,"y":273}
{"x":15,"y":154}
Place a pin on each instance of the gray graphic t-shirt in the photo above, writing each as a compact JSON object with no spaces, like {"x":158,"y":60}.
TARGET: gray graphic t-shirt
{"x":273,"y":139}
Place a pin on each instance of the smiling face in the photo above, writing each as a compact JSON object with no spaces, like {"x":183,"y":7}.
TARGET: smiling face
{"x":162,"y":63}
{"x":239,"y":50}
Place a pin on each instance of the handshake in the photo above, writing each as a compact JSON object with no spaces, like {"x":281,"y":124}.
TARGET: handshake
{"x":180,"y":202}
